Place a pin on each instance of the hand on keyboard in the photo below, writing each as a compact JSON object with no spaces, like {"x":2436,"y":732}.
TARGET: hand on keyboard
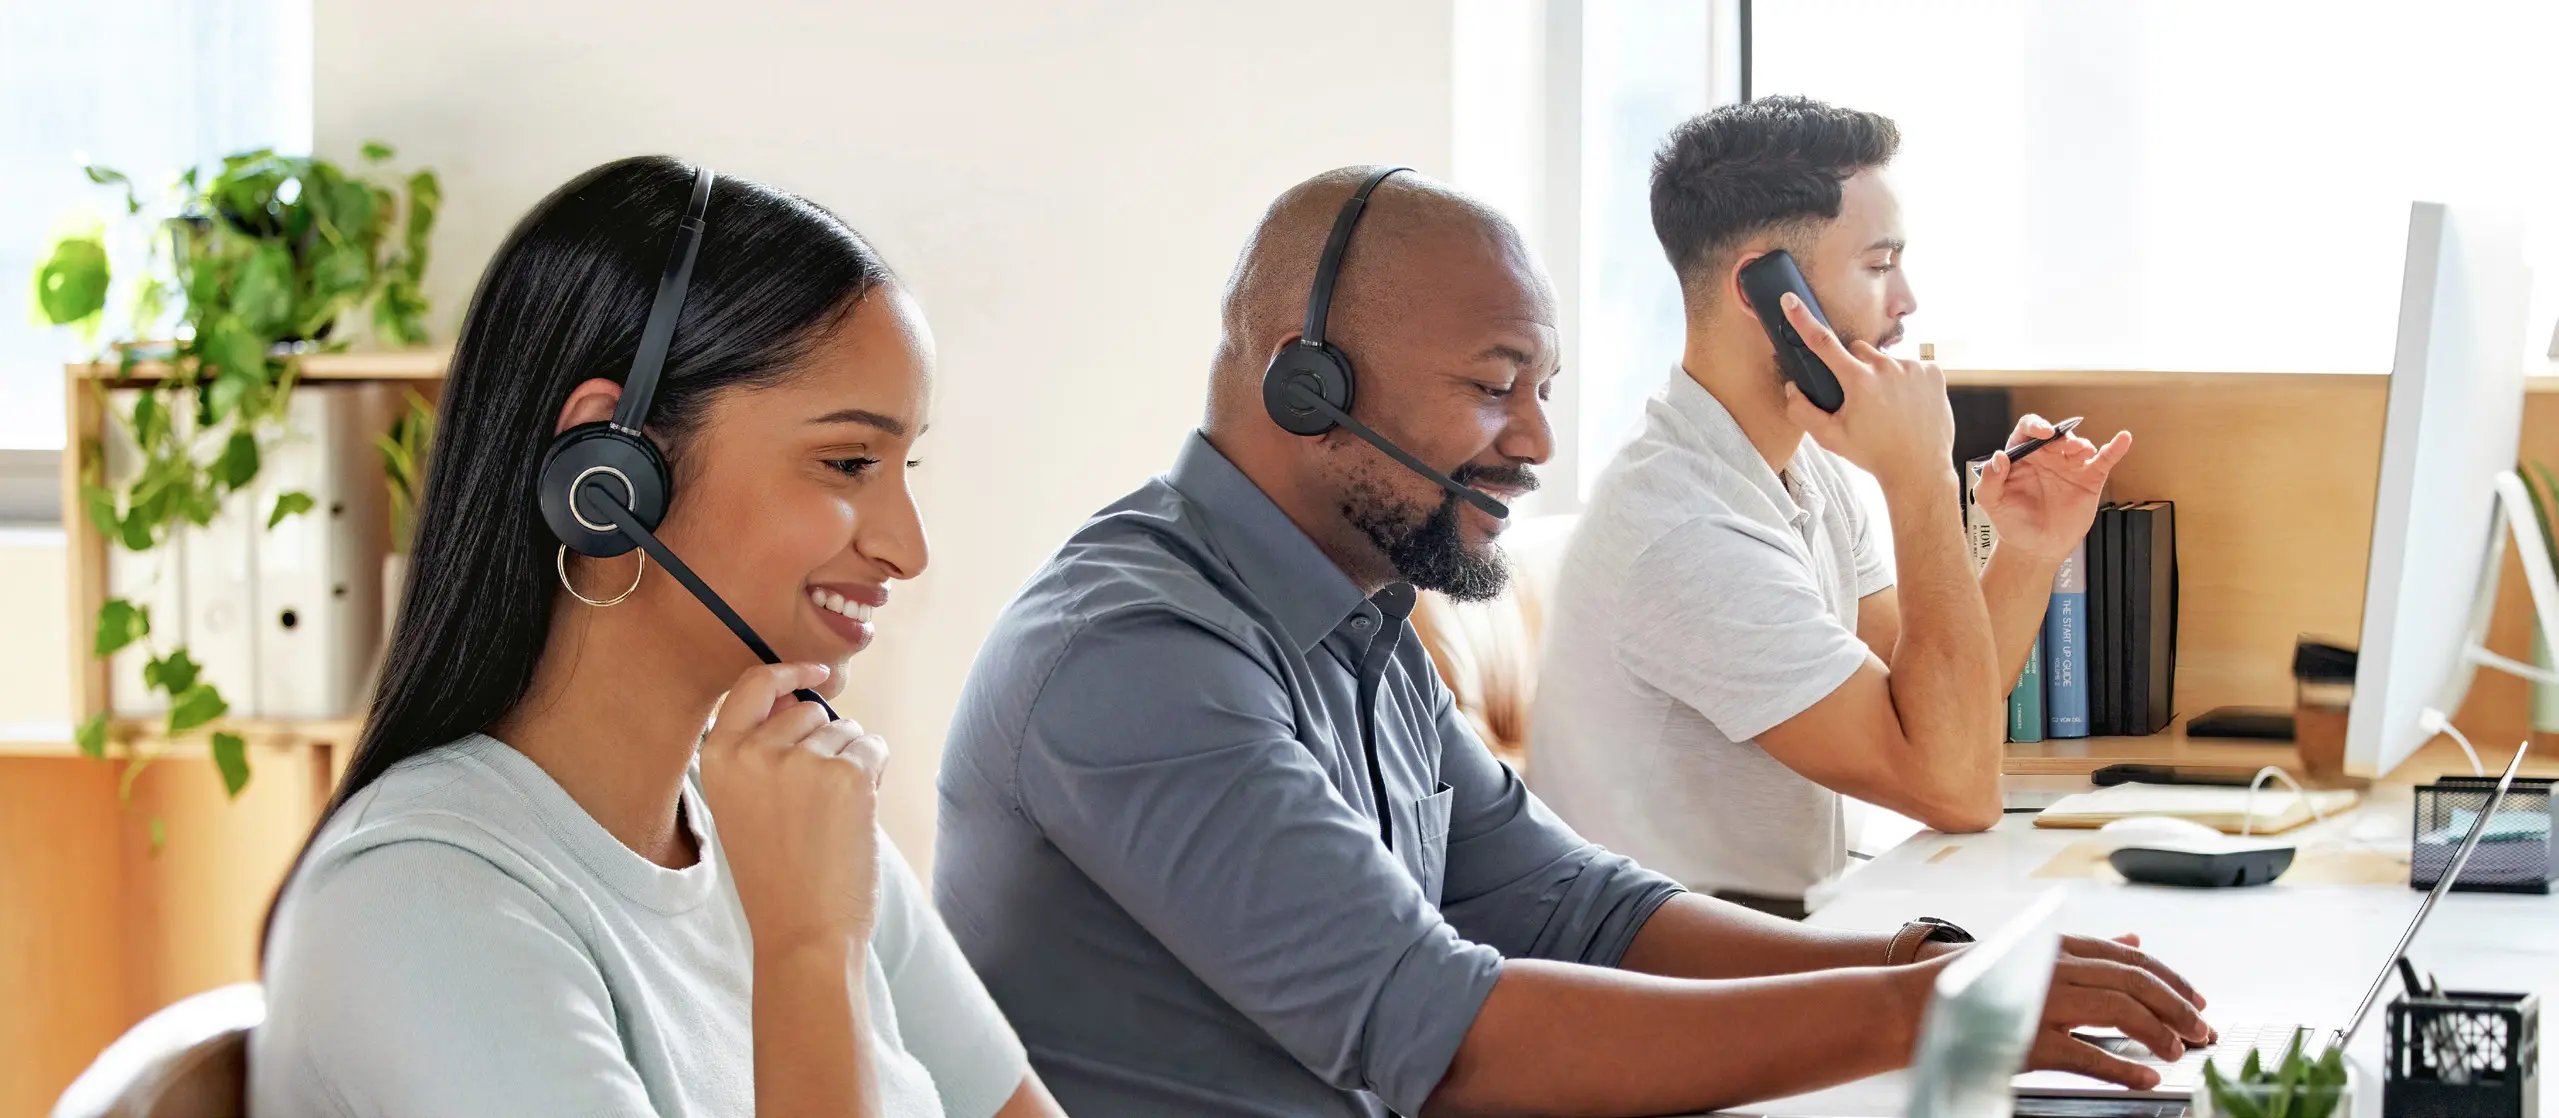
{"x":2112,"y":983}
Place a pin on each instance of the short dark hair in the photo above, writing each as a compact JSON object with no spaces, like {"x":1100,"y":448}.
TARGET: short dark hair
{"x":1746,"y":168}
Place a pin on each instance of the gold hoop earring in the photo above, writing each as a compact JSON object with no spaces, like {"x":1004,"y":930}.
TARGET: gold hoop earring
{"x":560,"y":562}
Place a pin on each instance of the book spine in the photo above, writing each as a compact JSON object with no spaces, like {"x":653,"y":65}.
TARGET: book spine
{"x":1977,"y":529}
{"x":2026,"y":700}
{"x":2065,"y":641}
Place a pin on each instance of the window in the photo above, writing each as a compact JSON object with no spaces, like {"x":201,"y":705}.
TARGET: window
{"x":2181,"y":185}
{"x":148,"y":87}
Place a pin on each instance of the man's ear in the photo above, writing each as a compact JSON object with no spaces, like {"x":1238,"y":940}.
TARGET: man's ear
{"x":1733,"y":274}
{"x":591,"y":401}
{"x":1287,"y":340}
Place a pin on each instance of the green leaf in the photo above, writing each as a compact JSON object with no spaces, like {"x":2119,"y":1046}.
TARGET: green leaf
{"x":135,"y":532}
{"x":194,"y":707}
{"x":241,"y":356}
{"x":262,"y":296}
{"x":159,"y":835}
{"x":150,"y":420}
{"x":239,"y":462}
{"x":120,"y":623}
{"x":173,"y":673}
{"x":375,"y":151}
{"x":231,"y":756}
{"x":92,"y":737}
{"x":105,"y":176}
{"x":2250,"y":1071}
{"x":71,"y":286}
{"x":426,"y":199}
{"x":102,"y":508}
{"x":288,"y":504}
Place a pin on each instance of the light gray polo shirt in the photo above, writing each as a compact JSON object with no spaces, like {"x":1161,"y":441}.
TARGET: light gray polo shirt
{"x":1703,"y":600}
{"x":465,"y":939}
{"x":1160,"y":848}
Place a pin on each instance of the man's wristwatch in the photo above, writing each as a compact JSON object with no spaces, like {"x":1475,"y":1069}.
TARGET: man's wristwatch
{"x":1926,"y":929}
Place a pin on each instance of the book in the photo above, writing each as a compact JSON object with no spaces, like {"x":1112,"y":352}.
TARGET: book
{"x":2269,"y":811}
{"x":2150,"y":578}
{"x":2026,"y":700}
{"x":2066,"y":649}
{"x":2026,"y":696}
{"x":2100,"y":625}
{"x":1977,"y":529}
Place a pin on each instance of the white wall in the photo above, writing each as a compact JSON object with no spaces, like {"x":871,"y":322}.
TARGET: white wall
{"x":1064,"y":184}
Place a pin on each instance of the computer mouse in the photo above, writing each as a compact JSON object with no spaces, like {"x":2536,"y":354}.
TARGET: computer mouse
{"x":2160,"y":850}
{"x":2157,"y":830}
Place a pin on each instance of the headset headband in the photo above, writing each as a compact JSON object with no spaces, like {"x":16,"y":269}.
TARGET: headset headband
{"x":642,"y":385}
{"x":1320,"y":304}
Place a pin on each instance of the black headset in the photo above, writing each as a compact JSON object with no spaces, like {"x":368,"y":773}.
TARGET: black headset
{"x":1309,"y":387}
{"x":605,"y":487}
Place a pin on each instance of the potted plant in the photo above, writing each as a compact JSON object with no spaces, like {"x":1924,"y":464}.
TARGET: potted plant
{"x":2300,"y":1086}
{"x":243,"y":271}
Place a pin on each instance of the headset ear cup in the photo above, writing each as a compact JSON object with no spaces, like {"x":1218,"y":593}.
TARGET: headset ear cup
{"x":630,"y":464}
{"x":1322,"y":370}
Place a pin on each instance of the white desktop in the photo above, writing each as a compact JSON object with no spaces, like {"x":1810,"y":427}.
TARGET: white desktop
{"x":2450,"y":433}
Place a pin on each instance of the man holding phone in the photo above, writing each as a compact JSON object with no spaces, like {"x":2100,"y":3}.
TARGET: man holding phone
{"x":1729,"y":652}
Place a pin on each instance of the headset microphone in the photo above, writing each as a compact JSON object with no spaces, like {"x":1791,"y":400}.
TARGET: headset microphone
{"x":581,"y":470}
{"x":1309,"y":387}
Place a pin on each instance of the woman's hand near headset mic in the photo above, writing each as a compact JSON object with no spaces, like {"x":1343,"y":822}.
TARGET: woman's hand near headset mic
{"x":794,"y":797}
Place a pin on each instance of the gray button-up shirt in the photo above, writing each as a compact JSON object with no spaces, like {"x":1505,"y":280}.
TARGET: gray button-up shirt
{"x":1160,"y":848}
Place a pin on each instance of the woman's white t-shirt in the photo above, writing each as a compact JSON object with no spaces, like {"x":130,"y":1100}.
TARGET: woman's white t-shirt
{"x":465,"y":939}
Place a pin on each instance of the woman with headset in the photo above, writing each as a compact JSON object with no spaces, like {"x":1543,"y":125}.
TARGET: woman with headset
{"x":543,"y":887}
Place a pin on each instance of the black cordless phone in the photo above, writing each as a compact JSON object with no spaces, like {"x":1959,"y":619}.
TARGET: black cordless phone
{"x":1763,"y":281}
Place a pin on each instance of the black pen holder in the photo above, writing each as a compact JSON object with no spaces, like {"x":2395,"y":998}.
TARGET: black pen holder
{"x":2462,"y":1054}
{"x":2515,"y":856}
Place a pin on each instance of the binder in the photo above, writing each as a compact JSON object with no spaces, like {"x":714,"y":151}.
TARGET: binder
{"x":319,"y":573}
{"x":221,"y":599}
{"x":154,"y":580}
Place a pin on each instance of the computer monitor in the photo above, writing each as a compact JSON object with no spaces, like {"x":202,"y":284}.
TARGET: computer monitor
{"x":2449,"y":433}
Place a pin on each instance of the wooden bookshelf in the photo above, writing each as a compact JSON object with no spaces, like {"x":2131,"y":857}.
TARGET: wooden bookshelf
{"x":421,"y":364}
{"x":2275,"y":477}
{"x":127,"y":895}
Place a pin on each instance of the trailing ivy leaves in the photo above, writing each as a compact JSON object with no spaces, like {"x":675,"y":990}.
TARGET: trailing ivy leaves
{"x":120,"y":623}
{"x":262,"y":294}
{"x":260,"y":260}
{"x":91,"y":737}
{"x":289,"y":504}
{"x":231,"y":756}
{"x":239,"y":462}
{"x":174,"y":673}
{"x":195,"y":706}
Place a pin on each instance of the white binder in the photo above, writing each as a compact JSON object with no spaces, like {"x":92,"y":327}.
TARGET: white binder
{"x":319,"y":573}
{"x":221,"y":599}
{"x":154,"y":580}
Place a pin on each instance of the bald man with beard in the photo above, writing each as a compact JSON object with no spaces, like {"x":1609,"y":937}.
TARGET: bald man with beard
{"x":1218,"y":842}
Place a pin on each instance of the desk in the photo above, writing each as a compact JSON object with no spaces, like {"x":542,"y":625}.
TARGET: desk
{"x":2276,"y":954}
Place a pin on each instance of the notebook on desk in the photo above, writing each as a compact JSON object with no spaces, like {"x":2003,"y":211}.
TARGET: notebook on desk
{"x":2229,"y":810}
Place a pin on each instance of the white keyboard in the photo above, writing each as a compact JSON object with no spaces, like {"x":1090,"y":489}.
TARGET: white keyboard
{"x":2269,"y":1041}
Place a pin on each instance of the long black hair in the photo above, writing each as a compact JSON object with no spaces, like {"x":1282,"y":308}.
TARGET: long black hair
{"x":563,"y":301}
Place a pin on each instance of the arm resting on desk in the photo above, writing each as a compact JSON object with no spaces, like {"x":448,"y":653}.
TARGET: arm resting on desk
{"x":1559,"y":1039}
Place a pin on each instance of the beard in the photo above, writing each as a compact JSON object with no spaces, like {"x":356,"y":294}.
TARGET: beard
{"x":1426,"y":544}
